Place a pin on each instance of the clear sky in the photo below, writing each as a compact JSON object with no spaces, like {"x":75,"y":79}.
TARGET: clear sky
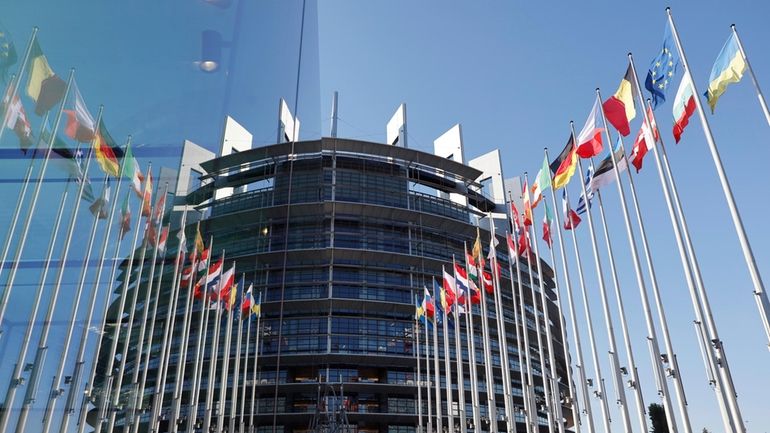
{"x":515,"y":73}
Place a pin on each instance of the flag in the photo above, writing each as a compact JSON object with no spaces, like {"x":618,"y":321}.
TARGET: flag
{"x":16,"y":120}
{"x":571,"y":218}
{"x":428,"y":305}
{"x":641,"y":145}
{"x":493,"y":243}
{"x":225,"y":286}
{"x":419,"y":310}
{"x":147,"y":200}
{"x":132,"y":172}
{"x":440,"y":309}
{"x":527,"y":220}
{"x":210,"y":279}
{"x":233,"y":296}
{"x":589,"y":140}
{"x":515,"y":217}
{"x":248,"y":302}
{"x":80,"y":124}
{"x":524,"y":245}
{"x":448,"y":291}
{"x":684,"y":106}
{"x":619,"y":108}
{"x":662,"y":70}
{"x":70,"y":163}
{"x":461,"y":281}
{"x":487,"y":282}
{"x":107,"y":153}
{"x":513,"y":252}
{"x":202,"y":259}
{"x":542,"y":183}
{"x":125,"y":217}
{"x":477,"y":250}
{"x":728,"y":68}
{"x":582,"y":207}
{"x":199,"y":241}
{"x":256,"y":307}
{"x":160,"y":204}
{"x":547,"y":222}
{"x":187,"y":274}
{"x":8,"y":56}
{"x":162,"y":240}
{"x":43,"y":85}
{"x":605,"y":172}
{"x":99,"y":207}
{"x":473,"y":275}
{"x":563,"y":167}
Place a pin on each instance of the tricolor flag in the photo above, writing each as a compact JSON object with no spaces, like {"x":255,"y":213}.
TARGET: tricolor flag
{"x":524,"y":246}
{"x":527,"y":220}
{"x":225,"y":285}
{"x":515,"y":219}
{"x":644,"y":141}
{"x":211,"y":277}
{"x":162,"y":240}
{"x":542,"y":183}
{"x":107,"y":153}
{"x":563,"y":167}
{"x":684,"y":106}
{"x":605,"y":172}
{"x":203,"y":257}
{"x":80,"y":124}
{"x":513,"y":252}
{"x":619,"y":108}
{"x":582,"y":207}
{"x":428,"y":304}
{"x":187,"y":274}
{"x":728,"y":68}
{"x":43,"y":85}
{"x":547,"y":223}
{"x":589,"y":140}
{"x":489,"y":286}
{"x":448,"y":291}
{"x":248,"y":302}
{"x":662,"y":70}
{"x":147,"y":196}
{"x":461,"y":280}
{"x":132,"y":172}
{"x":125,"y":217}
{"x":473,"y":273}
{"x":571,"y":218}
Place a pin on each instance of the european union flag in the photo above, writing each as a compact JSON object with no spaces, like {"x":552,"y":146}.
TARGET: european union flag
{"x":662,"y":70}
{"x":7,"y":52}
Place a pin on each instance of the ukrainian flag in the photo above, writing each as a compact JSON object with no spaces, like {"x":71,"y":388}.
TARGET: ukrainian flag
{"x":728,"y":68}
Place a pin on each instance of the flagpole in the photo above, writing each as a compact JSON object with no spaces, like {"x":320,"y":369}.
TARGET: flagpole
{"x":472,"y":366}
{"x":256,"y":364}
{"x":198,"y":364}
{"x":69,"y":405}
{"x":520,"y":328}
{"x":760,"y":96}
{"x":652,"y":338}
{"x":139,"y":398}
{"x":491,"y":404}
{"x":555,"y":392}
{"x":28,"y":220}
{"x":573,"y":319}
{"x":16,"y":379}
{"x":214,"y":357}
{"x":759,"y":288}
{"x":34,"y":378}
{"x":242,"y":425}
{"x":168,"y":327}
{"x":109,"y":373}
{"x":428,"y":377}
{"x":459,"y":363}
{"x":439,"y":403}
{"x":448,"y":368}
{"x":236,"y":373}
{"x":501,"y":332}
{"x":416,"y":330}
{"x":220,"y":410}
{"x":16,"y":85}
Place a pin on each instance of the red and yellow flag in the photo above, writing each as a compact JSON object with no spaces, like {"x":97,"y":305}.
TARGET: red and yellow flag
{"x":106,"y":155}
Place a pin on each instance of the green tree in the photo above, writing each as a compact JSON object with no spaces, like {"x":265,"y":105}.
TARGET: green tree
{"x":658,"y":418}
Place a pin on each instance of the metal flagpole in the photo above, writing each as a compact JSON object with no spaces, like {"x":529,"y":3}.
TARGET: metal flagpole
{"x":416,"y":331}
{"x":652,"y":339}
{"x":555,"y":400}
{"x":428,"y":379}
{"x":220,"y":409}
{"x":760,"y":96}
{"x":759,"y":288}
{"x":170,"y":324}
{"x":502,"y":338}
{"x":459,"y":363}
{"x":69,"y":405}
{"x":673,"y":370}
{"x":103,"y":402}
{"x":613,"y":352}
{"x":237,"y":370}
{"x":575,"y":332}
{"x":198,"y":365}
{"x":20,"y":75}
{"x":34,"y":378}
{"x":241,"y":424}
{"x":490,"y":379}
{"x":472,"y":366}
{"x":257,"y":342}
{"x":448,"y":368}
{"x":214,"y":357}
{"x":28,"y":220}
{"x":520,"y":328}
{"x":16,"y":379}
{"x":600,"y":393}
{"x":135,"y":409}
{"x":437,"y":373}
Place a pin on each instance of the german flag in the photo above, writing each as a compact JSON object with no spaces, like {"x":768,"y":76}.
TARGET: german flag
{"x":563,"y":167}
{"x":107,"y":153}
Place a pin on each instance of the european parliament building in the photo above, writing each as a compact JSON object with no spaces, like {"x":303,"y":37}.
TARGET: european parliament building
{"x":339,"y":237}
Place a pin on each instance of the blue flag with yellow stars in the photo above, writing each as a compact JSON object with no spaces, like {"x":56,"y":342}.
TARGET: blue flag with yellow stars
{"x":662,"y":70}
{"x":7,"y":53}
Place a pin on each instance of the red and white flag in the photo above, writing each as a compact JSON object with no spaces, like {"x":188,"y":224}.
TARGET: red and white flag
{"x":589,"y":141}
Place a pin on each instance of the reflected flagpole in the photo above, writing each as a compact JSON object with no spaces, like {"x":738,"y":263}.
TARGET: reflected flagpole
{"x":436,"y":368}
{"x":760,"y":96}
{"x":237,"y":368}
{"x":220,"y":408}
{"x":257,"y":346}
{"x":69,"y":405}
{"x":580,"y":367}
{"x":17,"y":83}
{"x":759,"y":289}
{"x":103,"y":402}
{"x":214,"y":357}
{"x":16,"y":379}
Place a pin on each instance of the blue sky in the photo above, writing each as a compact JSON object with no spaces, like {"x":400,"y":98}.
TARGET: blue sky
{"x":515,"y":73}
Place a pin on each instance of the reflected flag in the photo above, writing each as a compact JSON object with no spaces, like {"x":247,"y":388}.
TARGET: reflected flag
{"x":43,"y":85}
{"x":107,"y":153}
{"x":147,"y":196}
{"x":728,"y":68}
{"x":16,"y":120}
{"x":80,"y":124}
{"x":125,"y":217}
{"x":132,"y":172}
{"x":99,"y":207}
